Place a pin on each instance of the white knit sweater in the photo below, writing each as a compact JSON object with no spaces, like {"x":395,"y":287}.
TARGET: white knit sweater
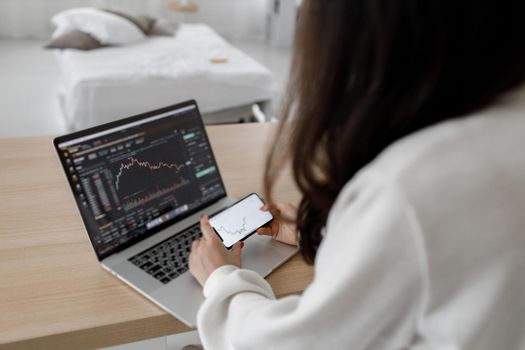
{"x":424,"y":249}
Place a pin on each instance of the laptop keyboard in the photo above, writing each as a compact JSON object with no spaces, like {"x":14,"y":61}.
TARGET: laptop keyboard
{"x":168,"y":259}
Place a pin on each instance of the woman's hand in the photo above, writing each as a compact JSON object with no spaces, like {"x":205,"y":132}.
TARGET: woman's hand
{"x":281,"y":231}
{"x":208,"y":253}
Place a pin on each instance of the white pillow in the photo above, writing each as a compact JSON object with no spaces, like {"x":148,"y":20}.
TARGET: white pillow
{"x":107,"y":28}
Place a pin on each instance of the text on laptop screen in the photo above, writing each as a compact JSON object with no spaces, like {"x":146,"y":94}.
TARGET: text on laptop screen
{"x":131,"y":180}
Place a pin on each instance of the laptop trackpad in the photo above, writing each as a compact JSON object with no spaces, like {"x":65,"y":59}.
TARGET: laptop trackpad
{"x":262,"y":254}
{"x":182,"y":297}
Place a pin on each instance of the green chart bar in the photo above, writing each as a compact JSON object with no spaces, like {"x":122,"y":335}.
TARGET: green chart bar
{"x":188,"y":136}
{"x":205,"y":172}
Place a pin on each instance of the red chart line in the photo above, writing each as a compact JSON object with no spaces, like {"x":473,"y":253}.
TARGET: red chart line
{"x":143,"y":164}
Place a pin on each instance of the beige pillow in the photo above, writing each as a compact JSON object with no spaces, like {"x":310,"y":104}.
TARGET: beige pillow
{"x":74,"y":40}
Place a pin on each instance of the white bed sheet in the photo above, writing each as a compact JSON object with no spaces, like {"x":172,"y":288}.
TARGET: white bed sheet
{"x":107,"y":84}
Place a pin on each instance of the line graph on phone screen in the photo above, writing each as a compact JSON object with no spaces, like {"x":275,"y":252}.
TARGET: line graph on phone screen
{"x":240,"y":220}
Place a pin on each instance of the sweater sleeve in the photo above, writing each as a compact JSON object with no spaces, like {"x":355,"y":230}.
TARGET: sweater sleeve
{"x":367,"y":292}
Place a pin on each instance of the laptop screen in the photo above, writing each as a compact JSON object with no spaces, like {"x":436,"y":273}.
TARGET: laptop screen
{"x":133,"y":177}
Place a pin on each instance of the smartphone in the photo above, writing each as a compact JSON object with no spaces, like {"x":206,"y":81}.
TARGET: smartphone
{"x":240,"y":220}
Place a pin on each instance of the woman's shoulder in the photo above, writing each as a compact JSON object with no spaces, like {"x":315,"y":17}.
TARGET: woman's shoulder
{"x":451,"y":165}
{"x":476,"y":150}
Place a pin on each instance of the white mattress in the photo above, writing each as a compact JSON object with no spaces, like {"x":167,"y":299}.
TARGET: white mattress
{"x":110,"y":83}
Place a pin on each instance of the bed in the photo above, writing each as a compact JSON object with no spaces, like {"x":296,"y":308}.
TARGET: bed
{"x":110,"y":83}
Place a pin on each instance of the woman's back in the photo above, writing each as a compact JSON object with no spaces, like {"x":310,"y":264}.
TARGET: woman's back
{"x":464,"y":183}
{"x":472,"y":210}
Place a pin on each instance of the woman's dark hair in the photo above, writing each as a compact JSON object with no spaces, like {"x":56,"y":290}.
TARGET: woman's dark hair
{"x":365,"y":73}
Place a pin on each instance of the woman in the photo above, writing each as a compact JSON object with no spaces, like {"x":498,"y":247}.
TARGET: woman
{"x":405,"y":126}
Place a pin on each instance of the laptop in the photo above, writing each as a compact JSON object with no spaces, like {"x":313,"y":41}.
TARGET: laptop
{"x":141,"y":185}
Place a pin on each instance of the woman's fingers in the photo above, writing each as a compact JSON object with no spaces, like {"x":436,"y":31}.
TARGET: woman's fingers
{"x":194,"y":245}
{"x":206,"y":229}
{"x":193,"y":254}
{"x":236,"y":249}
{"x":208,"y":233}
{"x":264,"y":231}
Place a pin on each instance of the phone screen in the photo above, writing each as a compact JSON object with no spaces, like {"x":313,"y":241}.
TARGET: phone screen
{"x":239,"y":221}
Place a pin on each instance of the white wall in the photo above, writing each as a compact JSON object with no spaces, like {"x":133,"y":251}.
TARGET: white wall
{"x":232,"y":18}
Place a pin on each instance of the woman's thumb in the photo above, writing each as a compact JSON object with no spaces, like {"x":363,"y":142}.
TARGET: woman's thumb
{"x":237,"y":247}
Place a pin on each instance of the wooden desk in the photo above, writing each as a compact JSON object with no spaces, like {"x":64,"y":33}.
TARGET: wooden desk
{"x":53,"y":292}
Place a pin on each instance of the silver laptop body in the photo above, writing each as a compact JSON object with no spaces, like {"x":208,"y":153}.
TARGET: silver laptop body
{"x":140,"y":183}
